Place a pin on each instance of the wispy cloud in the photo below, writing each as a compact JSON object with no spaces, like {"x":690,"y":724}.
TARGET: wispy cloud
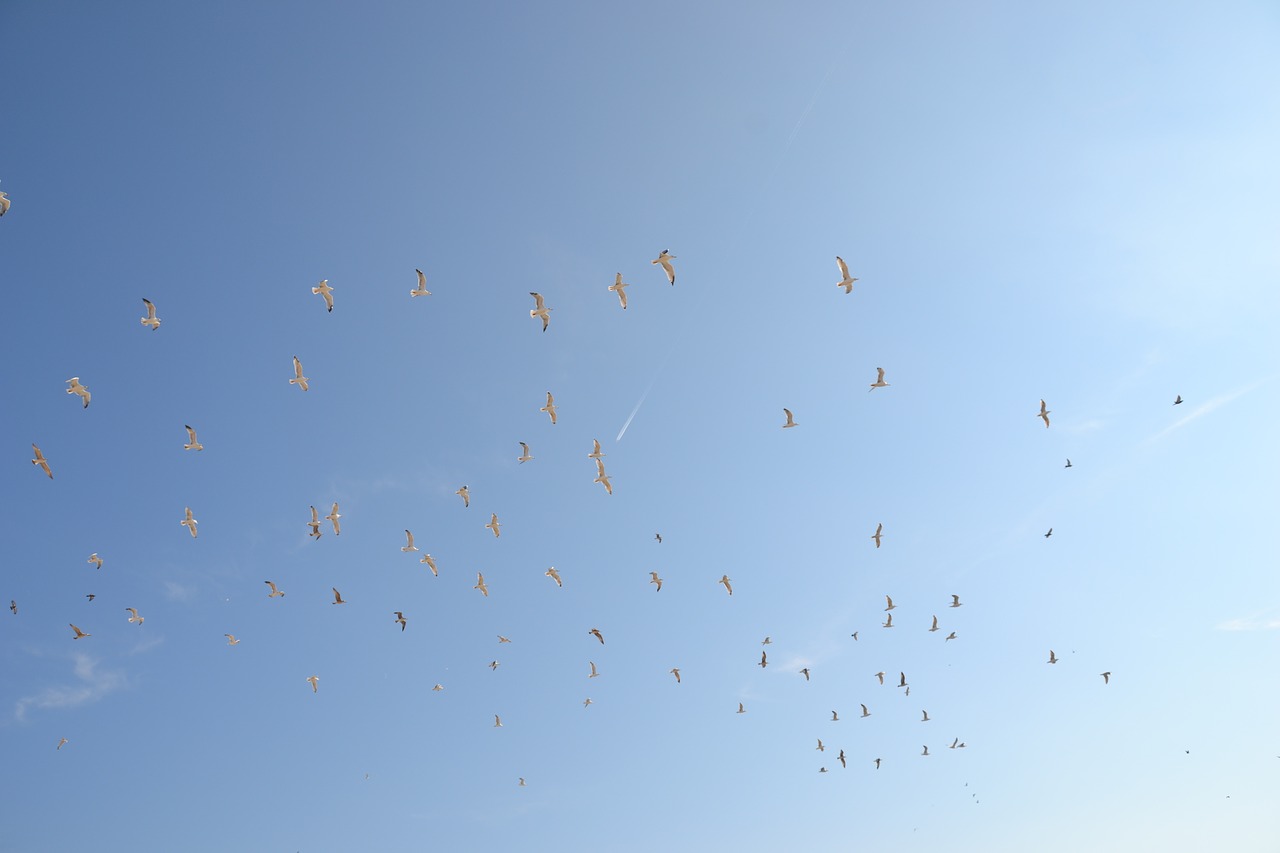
{"x":92,"y":684}
{"x":178,"y":592}
{"x":1249,"y":624}
{"x":1205,"y":408}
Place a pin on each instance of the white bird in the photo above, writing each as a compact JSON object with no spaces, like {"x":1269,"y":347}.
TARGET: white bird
{"x":835,"y":718}
{"x":665,"y":260}
{"x":955,"y":601}
{"x":400,"y":620}
{"x":595,"y":450}
{"x":791,"y":421}
{"x":676,"y":672}
{"x":888,"y":622}
{"x":879,"y":383}
{"x":586,"y":702}
{"x":766,"y":641}
{"x":4,"y":204}
{"x":151,"y":319}
{"x":315,"y":683}
{"x":333,"y":516}
{"x":602,"y":478}
{"x":275,"y":592}
{"x":880,"y":675}
{"x":741,"y":709}
{"x":593,"y":674}
{"x":541,"y":311}
{"x":497,"y":721}
{"x":595,"y":632}
{"x":326,"y":291}
{"x":190,"y":523}
{"x":554,"y":575}
{"x":493,"y":665}
{"x":617,"y":287}
{"x":421,"y":289}
{"x":522,"y":782}
{"x":77,"y":388}
{"x":889,"y":605}
{"x":724,"y":579}
{"x":550,"y":407}
{"x":192,"y":443}
{"x":231,"y":639}
{"x":298,"y":379}
{"x":524,"y":457}
{"x":656,"y":581}
{"x":1044,"y":413}
{"x":481,"y":585}
{"x":494,"y":525}
{"x":79,"y":634}
{"x":431,"y":564}
{"x":950,"y":636}
{"x":1052,"y":657}
{"x":502,"y":639}
{"x":437,"y":688}
{"x":465,"y":494}
{"x":135,"y":617}
{"x":337,"y":596}
{"x":865,"y":712}
{"x":410,"y":546}
{"x":314,"y":524}
{"x":95,"y":560}
{"x":935,"y":625}
{"x":820,"y":747}
{"x":62,"y":741}
{"x":876,"y":535}
{"x":41,"y":461}
{"x":846,"y":281}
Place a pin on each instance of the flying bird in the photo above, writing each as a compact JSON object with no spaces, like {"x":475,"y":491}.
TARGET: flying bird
{"x":89,"y":596}
{"x":676,"y":672}
{"x":741,"y":709}
{"x":587,"y":702}
{"x":618,"y":288}
{"x":275,"y":592}
{"x":481,"y":585}
{"x":1068,"y":465}
{"x":855,"y":636}
{"x":1106,"y":677}
{"x":1050,"y":533}
{"x":665,"y":260}
{"x":656,"y":581}
{"x":77,"y":388}
{"x":79,"y":634}
{"x":494,"y":525}
{"x":1052,"y":657}
{"x":314,"y":524}
{"x":926,"y":751}
{"x":955,"y":601}
{"x":554,"y":575}
{"x":888,"y":621}
{"x":315,"y":683}
{"x":410,"y":546}
{"x":724,"y":579}
{"x":502,"y":639}
{"x":657,"y":536}
{"x":595,"y":632}
{"x":134,"y":617}
{"x":550,"y":407}
{"x":876,"y":536}
{"x":822,"y":770}
{"x":602,"y":478}
{"x":524,"y":457}
{"x":879,"y":383}
{"x":151,"y":319}
{"x":41,"y":461}
{"x":1178,"y":401}
{"x":840,"y":757}
{"x":935,"y":625}
{"x":820,"y":747}
{"x":951,"y":636}
{"x":1044,"y":413}
{"x":401,"y":620}
{"x":865,"y":712}
{"x":766,"y":641}
{"x":63,"y":740}
{"x":421,"y":289}
{"x":902,"y":679}
{"x":791,"y":421}
{"x":231,"y":639}
{"x":541,"y":311}
{"x":298,"y":379}
{"x":190,"y":522}
{"x":326,"y":291}
{"x":846,"y":281}
{"x":493,"y":665}
{"x":926,"y":716}
{"x":437,"y":688}
{"x":805,"y":673}
{"x":877,"y":764}
{"x":835,"y":718}
{"x":95,"y":560}
{"x":337,"y":596}
{"x":593,"y":674}
{"x":465,"y":494}
{"x":888,"y":604}
{"x":954,"y":743}
{"x":764,"y":660}
{"x":13,"y":606}
{"x":497,"y":721}
{"x":192,"y":443}
{"x":333,"y":516}
{"x":595,"y":450}
{"x":522,"y":782}
{"x":431,"y":564}
{"x":880,"y":675}
{"x":4,"y":204}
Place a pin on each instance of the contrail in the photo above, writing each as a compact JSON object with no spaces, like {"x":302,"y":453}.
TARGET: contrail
{"x":632,"y":416}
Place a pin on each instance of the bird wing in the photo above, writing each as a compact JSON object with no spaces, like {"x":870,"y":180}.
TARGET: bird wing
{"x":151,"y":309}
{"x":844,"y":269}
{"x":879,"y":375}
{"x":272,"y":585}
{"x":537,"y":298}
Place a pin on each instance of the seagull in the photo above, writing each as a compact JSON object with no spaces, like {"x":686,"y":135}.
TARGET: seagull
{"x":41,"y":461}
{"x":90,"y":596}
{"x":95,"y":559}
{"x":935,"y":625}
{"x":926,"y":716}
{"x":657,"y":536}
{"x":192,"y":443}
{"x":602,"y":478}
{"x":337,"y":596}
{"x":724,"y":579}
{"x":431,"y":564}
{"x":876,"y":535}
{"x":190,"y":523}
{"x":493,"y":665}
{"x":522,"y":782}
{"x":1068,"y":465}
{"x":79,"y":634}
{"x":524,"y":457}
{"x":410,"y":546}
{"x":846,"y":281}
{"x":764,"y":660}
{"x":955,"y":601}
{"x":666,"y":259}
{"x":656,"y":581}
{"x":835,"y":718}
{"x":314,"y":524}
{"x":595,"y":632}
{"x":1052,"y":657}
{"x":888,"y":621}
{"x":134,"y":617}
{"x":1106,"y":677}
{"x":595,"y":451}
{"x":480,"y":584}
{"x":855,"y":636}
{"x":820,"y":747}
{"x":676,"y":672}
{"x":877,"y":764}
{"x":951,"y":636}
{"x":77,"y":388}
{"x":401,"y":620}
{"x":550,"y":407}
{"x":880,"y":675}
{"x":954,"y":743}
{"x":554,"y":575}
{"x":865,"y":712}
{"x":1176,"y":402}
{"x":926,"y":751}
{"x":151,"y":319}
{"x":902,"y":679}
{"x":275,"y":593}
{"x":741,"y":710}
{"x":437,"y":688}
{"x":63,"y":740}
{"x":1050,"y":533}
{"x":333,"y":516}
{"x":4,"y":204}
{"x":502,"y":639}
{"x":298,"y":379}
{"x":421,"y":289}
{"x":889,"y":605}
{"x":593,"y":674}
{"x":586,"y":702}
{"x":494,"y":525}
{"x":326,"y":291}
{"x":541,"y":311}
{"x":617,"y":287}
{"x":1044,"y":413}
{"x":13,"y":606}
{"x":231,"y":639}
{"x":465,"y":494}
{"x":497,"y":721}
{"x":766,"y":642}
{"x":315,"y":683}
{"x":805,"y":673}
{"x":822,"y":770}
{"x":879,"y":383}
{"x":908,"y":693}
{"x":791,"y":421}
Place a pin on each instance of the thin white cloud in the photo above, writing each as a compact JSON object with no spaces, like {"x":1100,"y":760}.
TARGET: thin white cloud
{"x":1249,"y":624}
{"x":1205,"y":408}
{"x":92,"y":685}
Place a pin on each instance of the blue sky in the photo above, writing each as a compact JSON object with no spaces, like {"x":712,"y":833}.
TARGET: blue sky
{"x":1075,"y":204}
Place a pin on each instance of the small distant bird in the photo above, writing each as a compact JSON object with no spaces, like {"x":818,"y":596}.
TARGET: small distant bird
{"x":724,"y":579}
{"x":951,"y":636}
{"x":877,"y":535}
{"x":1068,"y":465}
{"x":879,"y":383}
{"x":766,"y":641}
{"x":889,"y":605}
{"x":1106,"y":677}
{"x":275,"y":592}
{"x":314,"y":524}
{"x":676,"y":672}
{"x":421,"y":289}
{"x":63,"y":740}
{"x":554,"y":575}
{"x":1044,"y":413}
{"x":401,"y":621}
{"x":465,"y":494}
{"x":151,"y":319}
{"x":865,"y":712}
{"x":494,"y":525}
{"x":77,"y":388}
{"x":926,"y":716}
{"x":96,"y":560}
{"x":656,"y":581}
{"x":595,"y":632}
{"x":791,"y":421}
{"x":493,"y":665}
{"x":13,"y":607}
{"x":134,"y":617}
{"x":1050,"y":533}
{"x":189,"y":522}
{"x":822,"y":770}
{"x":764,"y":660}
{"x":926,"y":751}
{"x":888,"y":621}
{"x":935,"y":625}
{"x":955,"y":601}
{"x":821,"y":748}
{"x":4,"y":204}
{"x":593,"y":674}
{"x":902,"y":679}
{"x":1178,"y":401}
{"x":409,"y":546}
{"x":524,"y":457}
{"x":502,"y":639}
{"x":192,"y":443}
{"x":665,"y":260}
{"x":595,"y":450}
{"x":586,"y":702}
{"x":315,"y":683}
{"x":907,"y":693}
{"x":298,"y":379}
{"x":431,"y":564}
{"x":231,"y":639}
{"x":880,"y":675}
{"x":855,"y":636}
{"x":1052,"y":657}
{"x":90,"y":596}
{"x":79,"y":634}
{"x":326,"y":291}
{"x":835,"y":718}
{"x":437,"y":688}
{"x":805,"y":673}
{"x":841,"y":758}
{"x":541,"y":311}
{"x":333,"y":516}
{"x":877,"y":764}
{"x":602,"y":478}
{"x":618,"y":288}
{"x":337,"y":596}
{"x":481,"y":585}
{"x":846,"y":281}
{"x":550,"y":408}
{"x":497,"y":721}
{"x":953,"y":743}
{"x":41,"y":461}
{"x":657,"y":536}
{"x":522,"y":782}
{"x":741,"y":710}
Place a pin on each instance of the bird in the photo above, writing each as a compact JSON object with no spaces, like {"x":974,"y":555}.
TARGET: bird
{"x":337,"y":596}
{"x":314,"y":524}
{"x":602,"y":478}
{"x":954,"y":743}
{"x":1106,"y":677}
{"x":820,"y":747}
{"x":877,"y":764}
{"x":879,"y":383}
{"x":79,"y":634}
{"x":62,"y":741}
{"x":502,"y":639}
{"x":151,"y":319}
{"x":676,"y":672}
{"x":907,"y":693}
{"x":888,"y":621}
{"x":231,"y":639}
{"x":431,"y":564}
{"x":134,"y":617}
{"x":401,"y":620}
{"x":587,"y":702}
{"x":90,"y":596}
{"x":1050,"y":533}
{"x":326,"y":291}
{"x":497,"y":721}
{"x":926,"y":751}
{"x":595,"y":450}
{"x":889,"y":605}
{"x":95,"y":559}
{"x":657,"y":536}
{"x":618,"y":288}
{"x":275,"y":591}
{"x":805,"y":673}
{"x":493,"y":665}
{"x":1178,"y":401}
{"x":333,"y":516}
{"x":656,"y":581}
{"x":524,"y":457}
{"x":665,"y":260}
{"x":880,"y":675}
{"x":541,"y":311}
{"x":190,"y":522}
{"x":593,"y":674}
{"x":77,"y":388}
{"x":1044,"y":413}
{"x":902,"y":679}
{"x":822,"y":770}
{"x":876,"y":536}
{"x":437,"y":688}
{"x":865,"y":712}
{"x":481,"y":585}
{"x":465,"y":494}
{"x":766,"y":641}
{"x":421,"y":289}
{"x":841,"y":759}
{"x":410,"y":546}
{"x":494,"y":525}
{"x":741,"y":709}
{"x":298,"y":379}
{"x":724,"y":579}
{"x":955,"y":601}
{"x":192,"y":443}
{"x":846,"y":281}
{"x":13,"y":607}
{"x":855,"y":636}
{"x":554,"y":575}
{"x":791,"y":421}
{"x":550,"y":408}
{"x":926,"y":716}
{"x":522,"y":782}
{"x":764,"y":660}
{"x":835,"y":718}
{"x":595,"y":632}
{"x":1068,"y":465}
{"x":1052,"y":657}
{"x":4,"y":204}
{"x":315,"y":683}
{"x":41,"y":461}
{"x":950,"y":636}
{"x":935,"y":625}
